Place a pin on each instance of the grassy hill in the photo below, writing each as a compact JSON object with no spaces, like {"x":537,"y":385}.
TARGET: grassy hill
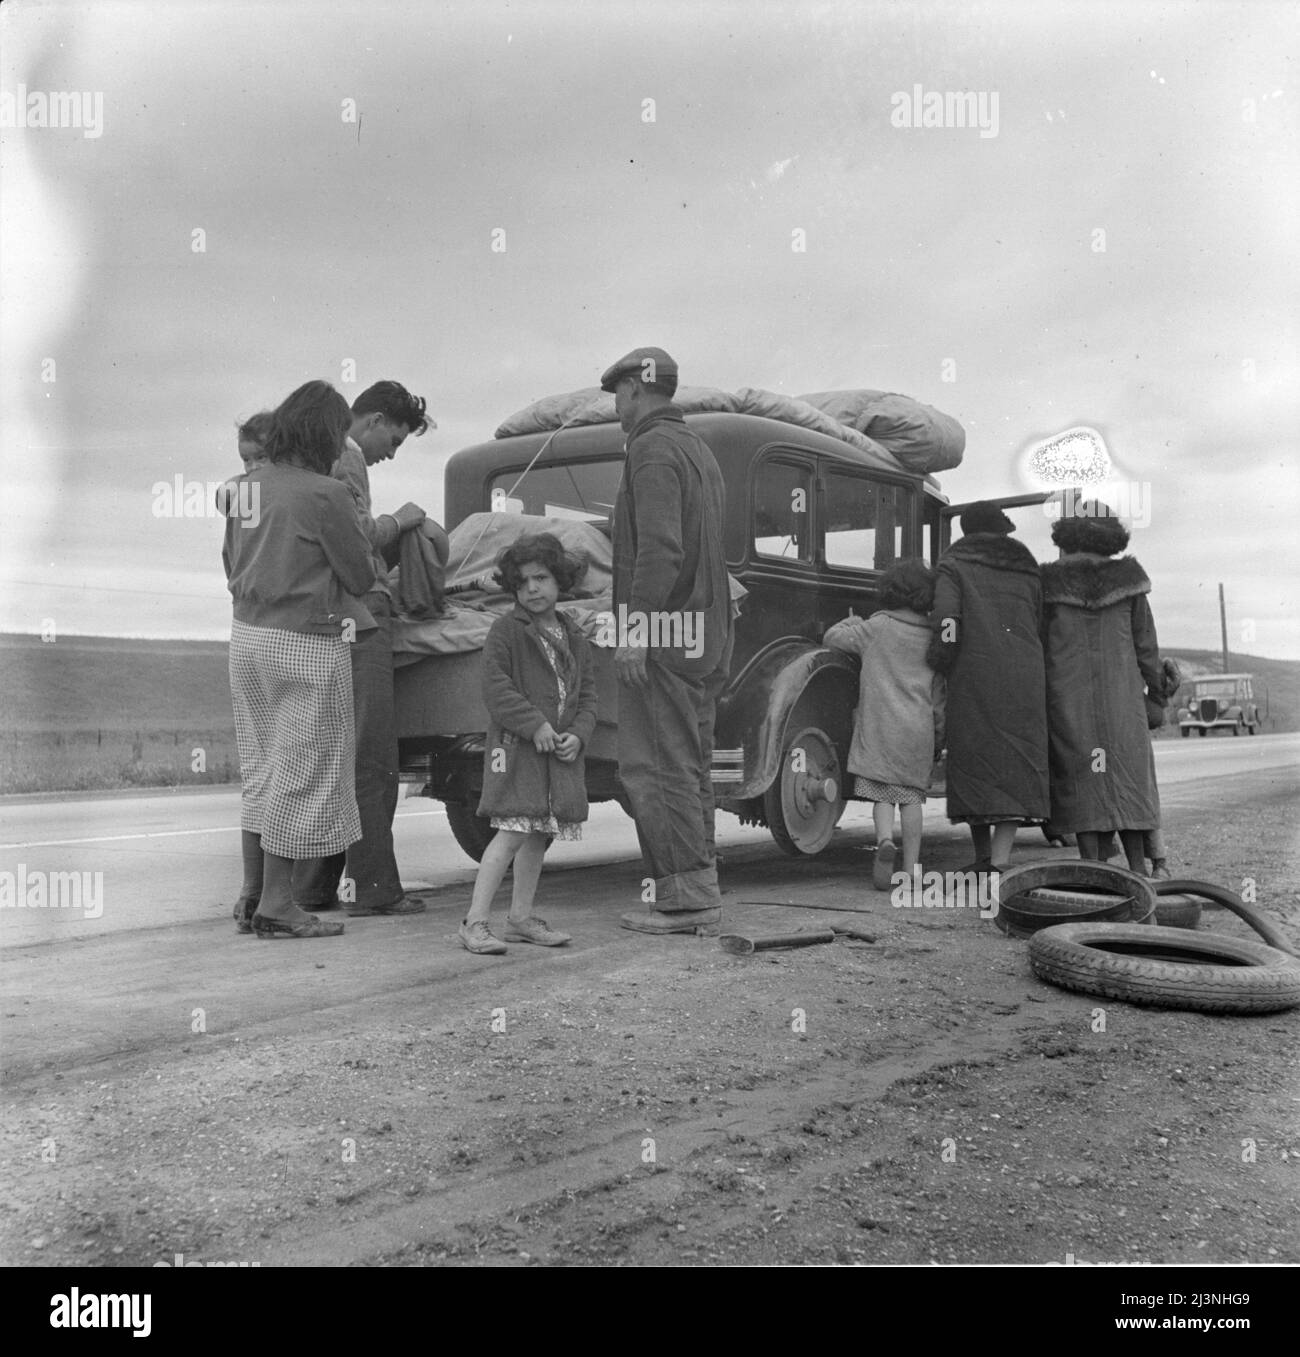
{"x":113,"y":683}
{"x":85,"y":712}
{"x":101,"y":711}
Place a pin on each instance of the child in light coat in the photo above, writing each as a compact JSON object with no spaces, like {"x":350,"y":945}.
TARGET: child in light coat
{"x":897,"y":730}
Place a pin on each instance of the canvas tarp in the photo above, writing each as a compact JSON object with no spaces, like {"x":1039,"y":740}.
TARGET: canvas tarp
{"x":594,"y":406}
{"x":921,"y":437}
{"x":474,"y":600}
{"x":591,"y":405}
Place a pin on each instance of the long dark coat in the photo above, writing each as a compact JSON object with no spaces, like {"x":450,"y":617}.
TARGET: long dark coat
{"x":987,"y":617}
{"x":521,"y":693}
{"x":1101,"y":648}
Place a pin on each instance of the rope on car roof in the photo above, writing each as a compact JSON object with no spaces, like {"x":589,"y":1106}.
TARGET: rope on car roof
{"x":546,"y":444}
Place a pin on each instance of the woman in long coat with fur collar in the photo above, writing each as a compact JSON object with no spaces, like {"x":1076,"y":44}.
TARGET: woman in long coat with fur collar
{"x":987,"y":620}
{"x":1102,"y":653}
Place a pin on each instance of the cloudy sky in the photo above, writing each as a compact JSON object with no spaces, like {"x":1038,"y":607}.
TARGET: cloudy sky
{"x":1117,"y":250}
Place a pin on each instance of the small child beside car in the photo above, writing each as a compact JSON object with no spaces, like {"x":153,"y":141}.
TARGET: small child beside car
{"x":897,"y":728}
{"x":539,"y":683}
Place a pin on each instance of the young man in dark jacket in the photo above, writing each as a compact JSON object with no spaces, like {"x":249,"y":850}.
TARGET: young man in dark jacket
{"x":382,"y":417}
{"x":670,"y":586}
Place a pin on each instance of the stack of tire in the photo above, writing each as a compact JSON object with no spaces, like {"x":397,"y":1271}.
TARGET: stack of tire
{"x":1090,"y":930}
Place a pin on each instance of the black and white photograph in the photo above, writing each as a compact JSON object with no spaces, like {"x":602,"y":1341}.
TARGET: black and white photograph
{"x":651,"y":635}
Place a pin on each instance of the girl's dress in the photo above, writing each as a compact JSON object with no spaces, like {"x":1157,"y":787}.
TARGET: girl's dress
{"x":554,"y":644}
{"x":900,"y":705}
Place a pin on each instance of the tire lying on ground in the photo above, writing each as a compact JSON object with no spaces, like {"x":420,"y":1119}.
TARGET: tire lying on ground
{"x":1166,"y":967}
{"x":1041,"y":894}
{"x":1177,"y":910}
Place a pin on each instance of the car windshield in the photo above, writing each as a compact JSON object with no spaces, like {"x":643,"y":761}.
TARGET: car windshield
{"x":1215,"y":689}
{"x":584,"y":491}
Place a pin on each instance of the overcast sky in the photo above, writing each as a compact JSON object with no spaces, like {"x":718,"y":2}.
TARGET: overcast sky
{"x":1117,"y":250}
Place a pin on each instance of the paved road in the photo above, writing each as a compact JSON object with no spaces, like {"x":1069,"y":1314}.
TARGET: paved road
{"x":201,"y":1087}
{"x":171,"y":858}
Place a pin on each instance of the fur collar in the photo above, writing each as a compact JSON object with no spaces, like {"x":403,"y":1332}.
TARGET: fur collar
{"x":994,"y":550}
{"x":1093,"y":581}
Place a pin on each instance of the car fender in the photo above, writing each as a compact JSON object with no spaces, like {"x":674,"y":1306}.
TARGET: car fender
{"x":755,"y":711}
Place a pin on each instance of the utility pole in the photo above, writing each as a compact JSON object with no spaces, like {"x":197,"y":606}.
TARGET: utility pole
{"x":1223,"y":628}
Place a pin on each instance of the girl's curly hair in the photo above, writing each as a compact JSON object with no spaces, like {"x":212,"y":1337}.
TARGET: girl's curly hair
{"x":542,"y":548}
{"x":908,"y":584}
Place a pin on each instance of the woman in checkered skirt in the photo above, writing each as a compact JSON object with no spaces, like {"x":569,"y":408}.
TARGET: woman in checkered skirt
{"x":296,"y":559}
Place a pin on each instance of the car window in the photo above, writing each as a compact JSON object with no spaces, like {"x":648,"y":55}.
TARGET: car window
{"x":864,"y":522}
{"x":782,"y":504}
{"x":1215,"y":689}
{"x":585,"y":490}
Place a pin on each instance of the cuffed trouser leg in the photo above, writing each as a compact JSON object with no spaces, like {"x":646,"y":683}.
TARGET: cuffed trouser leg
{"x":665,"y":746}
{"x":713,"y":686}
{"x":316,"y":880}
{"x":371,"y":862}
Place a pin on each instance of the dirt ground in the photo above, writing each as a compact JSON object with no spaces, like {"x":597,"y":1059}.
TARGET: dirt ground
{"x":387,"y":1098}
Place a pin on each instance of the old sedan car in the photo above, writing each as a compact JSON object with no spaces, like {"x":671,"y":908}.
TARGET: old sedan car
{"x":1219,"y":702}
{"x":811,"y":522}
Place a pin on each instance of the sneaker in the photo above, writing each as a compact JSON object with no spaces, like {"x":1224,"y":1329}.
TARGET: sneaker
{"x":882,"y":869}
{"x":535,"y":930}
{"x":403,"y":905}
{"x":477,"y":937}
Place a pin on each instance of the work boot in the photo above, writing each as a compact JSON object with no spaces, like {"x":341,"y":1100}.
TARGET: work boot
{"x":707,"y":923}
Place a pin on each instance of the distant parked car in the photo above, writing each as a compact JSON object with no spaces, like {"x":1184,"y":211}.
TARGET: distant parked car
{"x":1219,"y":701}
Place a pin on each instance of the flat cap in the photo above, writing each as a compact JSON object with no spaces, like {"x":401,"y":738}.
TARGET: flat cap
{"x":650,"y":364}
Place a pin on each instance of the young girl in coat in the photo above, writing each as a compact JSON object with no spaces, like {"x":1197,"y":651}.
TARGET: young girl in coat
{"x":540,"y":686}
{"x":897,"y":728}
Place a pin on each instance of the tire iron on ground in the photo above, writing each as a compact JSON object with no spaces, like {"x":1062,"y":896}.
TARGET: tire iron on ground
{"x":741,"y":944}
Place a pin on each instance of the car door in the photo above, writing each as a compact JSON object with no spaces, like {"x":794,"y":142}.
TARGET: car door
{"x":865,"y":522}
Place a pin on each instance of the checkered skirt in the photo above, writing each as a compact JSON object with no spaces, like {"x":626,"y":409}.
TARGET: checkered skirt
{"x":292,"y":695}
{"x":890,"y":793}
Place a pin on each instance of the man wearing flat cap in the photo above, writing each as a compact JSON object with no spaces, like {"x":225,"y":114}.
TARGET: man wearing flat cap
{"x":669,"y":559}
